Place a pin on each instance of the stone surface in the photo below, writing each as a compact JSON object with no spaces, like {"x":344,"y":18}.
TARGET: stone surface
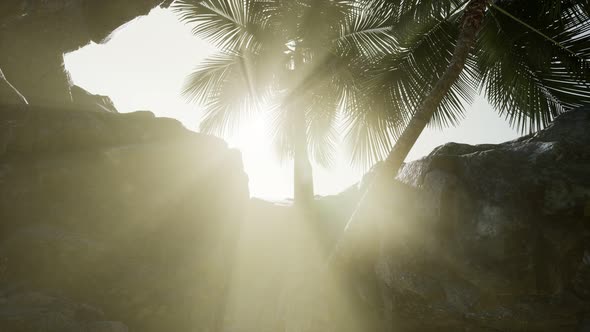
{"x":106,"y":326}
{"x":131,"y":214}
{"x":84,"y":100}
{"x":34,"y":35}
{"x":116,"y":222}
{"x":486,"y":238}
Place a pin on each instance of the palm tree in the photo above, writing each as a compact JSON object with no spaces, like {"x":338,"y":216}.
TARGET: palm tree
{"x":531,"y":59}
{"x":305,"y":59}
{"x":529,"y":73}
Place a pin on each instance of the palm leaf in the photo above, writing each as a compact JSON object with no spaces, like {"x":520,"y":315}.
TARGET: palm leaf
{"x":369,"y":125}
{"x":226,"y":86}
{"x":531,"y":75}
{"x":422,"y":57}
{"x":366,"y":32}
{"x":322,"y":115}
{"x":282,"y":133}
{"x":227,"y":24}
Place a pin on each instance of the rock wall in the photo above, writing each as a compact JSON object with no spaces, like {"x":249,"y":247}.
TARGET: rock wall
{"x":34,"y":35}
{"x":117,"y":222}
{"x":485,"y":238}
{"x":109,"y":218}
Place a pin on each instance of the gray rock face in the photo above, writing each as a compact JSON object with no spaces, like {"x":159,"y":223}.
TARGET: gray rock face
{"x":107,"y":326}
{"x":131,"y":214}
{"x":84,"y":100}
{"x":490,"y":237}
{"x":37,"y":311}
{"x":108,"y":218}
{"x":34,"y":35}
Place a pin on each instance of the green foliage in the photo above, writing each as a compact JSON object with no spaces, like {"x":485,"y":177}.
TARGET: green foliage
{"x":258,"y":42}
{"x":532,"y":59}
{"x":371,"y":63}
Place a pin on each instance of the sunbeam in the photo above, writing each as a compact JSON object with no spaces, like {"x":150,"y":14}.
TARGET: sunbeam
{"x":144,"y":65}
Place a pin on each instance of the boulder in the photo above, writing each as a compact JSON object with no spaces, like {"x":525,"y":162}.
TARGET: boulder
{"x":31,"y":311}
{"x":115,"y":222}
{"x":85,"y":100}
{"x":34,"y":35}
{"x":485,"y":238}
{"x":107,"y":326}
{"x":132,"y":214}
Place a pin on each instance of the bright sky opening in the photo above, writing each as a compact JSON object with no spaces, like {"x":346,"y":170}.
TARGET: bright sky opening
{"x":143,"y":67}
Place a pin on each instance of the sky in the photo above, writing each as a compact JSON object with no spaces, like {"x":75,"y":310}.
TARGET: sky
{"x":143,"y":67}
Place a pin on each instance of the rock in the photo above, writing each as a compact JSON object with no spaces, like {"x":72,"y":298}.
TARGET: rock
{"x":495,"y":238}
{"x":8,"y":92}
{"x":125,"y":212}
{"x":84,"y":100}
{"x":116,"y":222}
{"x":35,"y":34}
{"x":32,"y":311}
{"x":584,"y":324}
{"x":106,"y":327}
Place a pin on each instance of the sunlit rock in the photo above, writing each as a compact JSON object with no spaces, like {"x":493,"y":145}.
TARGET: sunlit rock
{"x":497,"y":239}
{"x":25,"y":310}
{"x":84,"y":100}
{"x":134,"y":215}
{"x":108,"y":218}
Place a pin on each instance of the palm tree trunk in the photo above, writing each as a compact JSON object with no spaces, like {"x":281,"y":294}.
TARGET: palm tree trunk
{"x":472,"y":20}
{"x":384,"y":175}
{"x":302,"y":172}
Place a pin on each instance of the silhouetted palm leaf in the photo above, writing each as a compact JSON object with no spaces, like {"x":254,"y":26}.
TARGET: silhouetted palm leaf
{"x":367,"y":32}
{"x":530,"y":72}
{"x":531,"y":57}
{"x":535,"y":70}
{"x":369,"y":126}
{"x":227,"y":88}
{"x":337,"y":38}
{"x":227,"y":24}
{"x":409,"y":72}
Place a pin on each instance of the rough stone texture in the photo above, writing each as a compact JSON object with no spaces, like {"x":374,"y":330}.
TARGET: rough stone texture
{"x":84,"y":100}
{"x":116,"y":222}
{"x":36,"y":311}
{"x":34,"y":35}
{"x":128,"y":213}
{"x":487,"y":238}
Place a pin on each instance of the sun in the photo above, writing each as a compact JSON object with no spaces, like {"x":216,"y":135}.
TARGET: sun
{"x":143,"y":67}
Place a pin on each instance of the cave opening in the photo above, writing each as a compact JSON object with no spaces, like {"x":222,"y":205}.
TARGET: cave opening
{"x":143,"y":66}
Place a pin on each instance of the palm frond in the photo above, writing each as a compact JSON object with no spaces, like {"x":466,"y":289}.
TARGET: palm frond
{"x":227,"y":24}
{"x":282,"y":133}
{"x":533,"y":74}
{"x":424,"y":10}
{"x":411,"y":71}
{"x":317,"y":89}
{"x":366,"y":32}
{"x":321,"y":116}
{"x":227,"y":88}
{"x":321,"y":21}
{"x":370,"y":124}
